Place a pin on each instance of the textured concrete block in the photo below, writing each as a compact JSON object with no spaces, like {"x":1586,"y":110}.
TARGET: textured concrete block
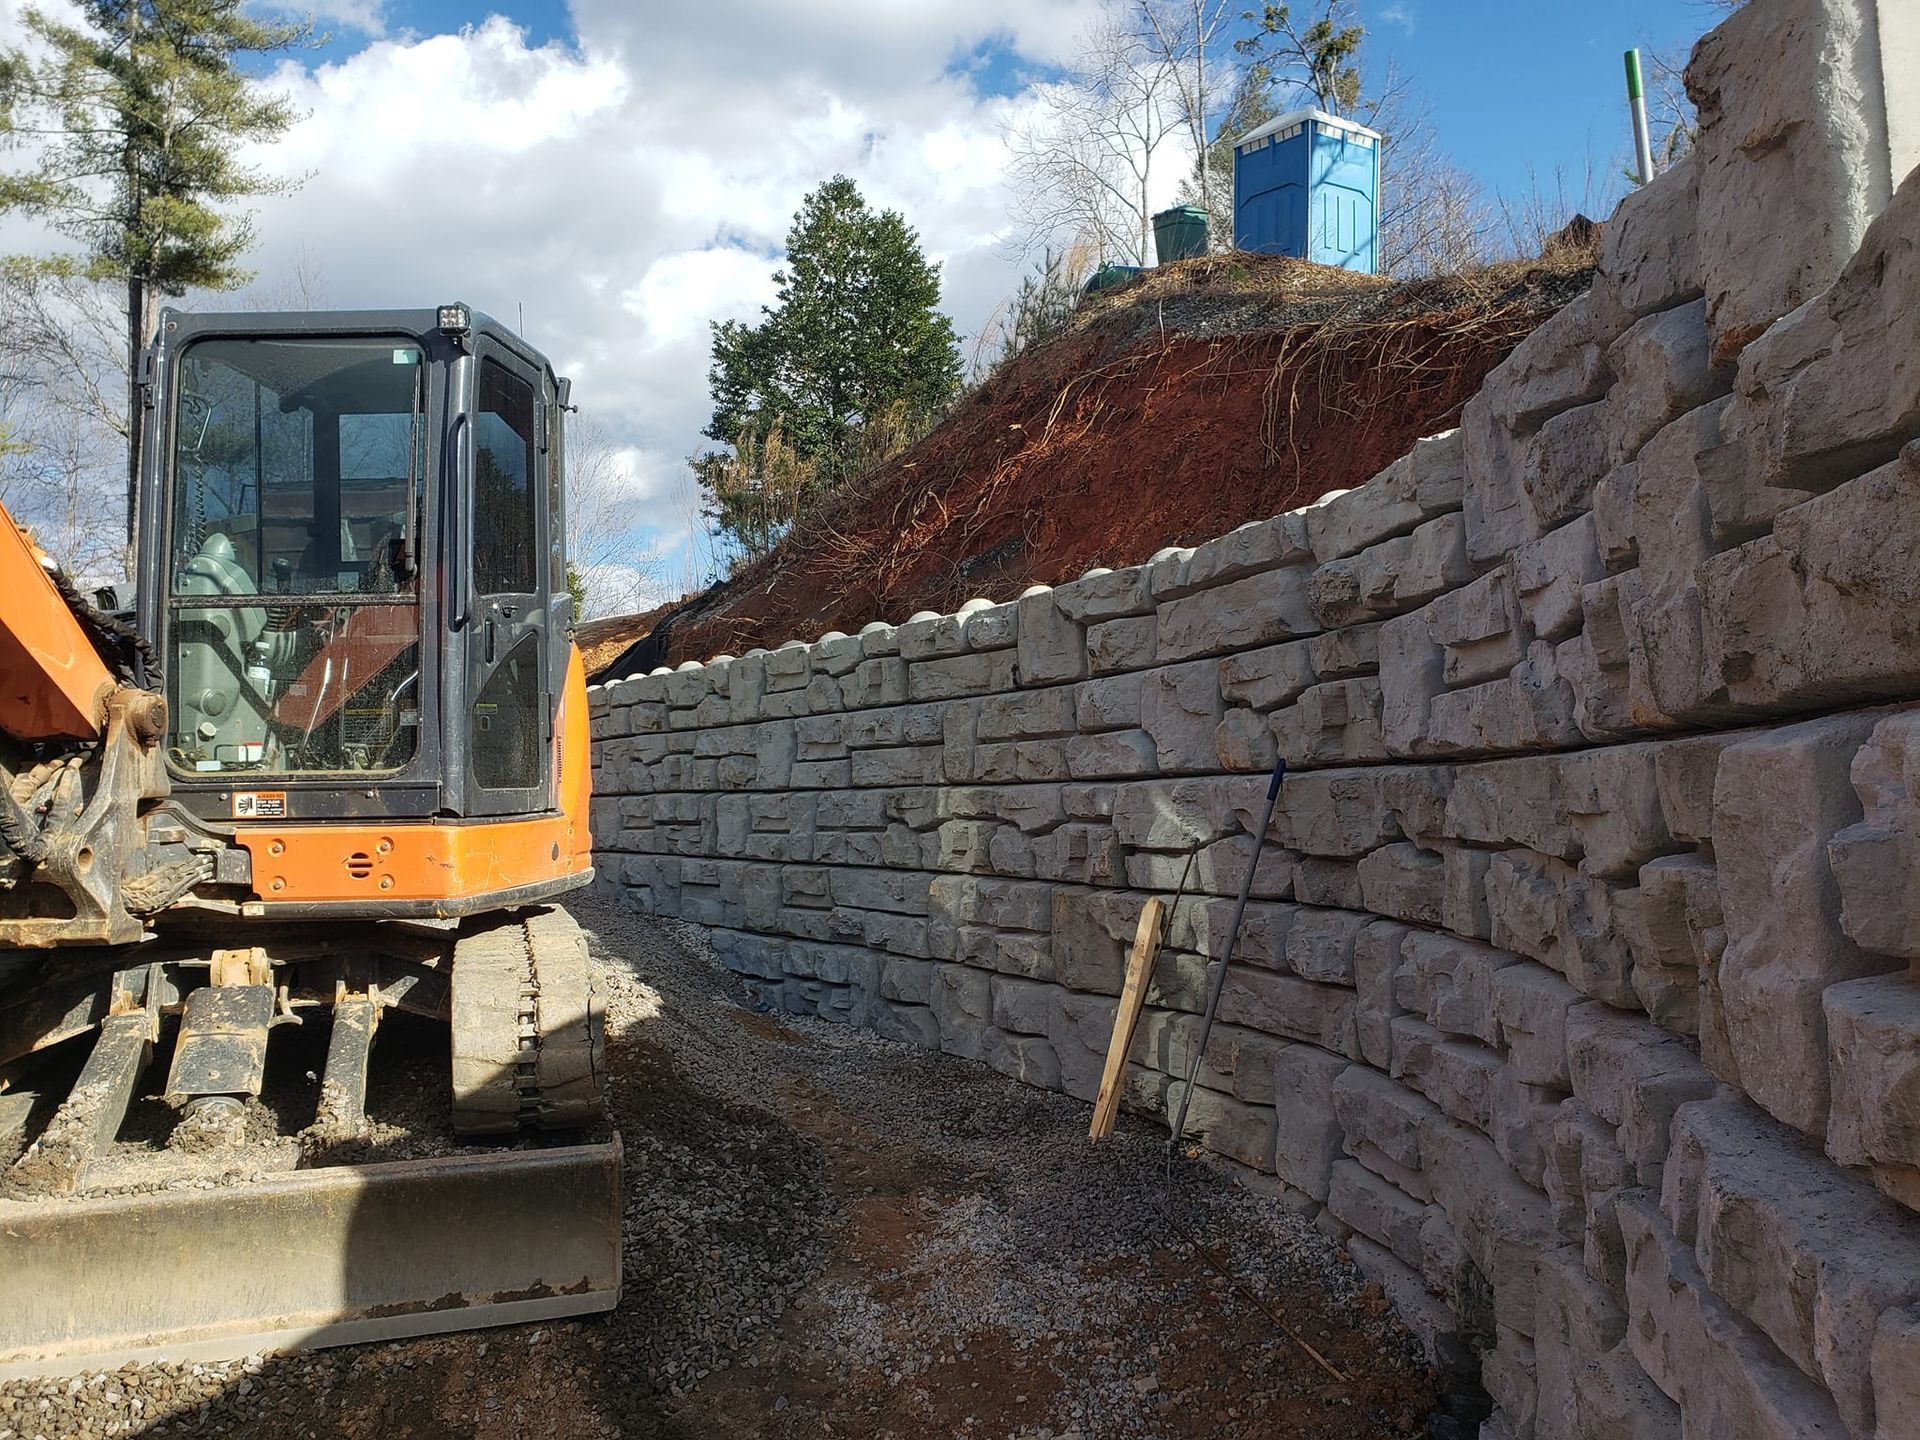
{"x":1349,"y":522}
{"x":1284,"y":1005}
{"x":1809,"y":1256}
{"x":1809,"y":614}
{"x":1873,"y":1047}
{"x":1128,"y":644}
{"x":1779,"y":797}
{"x":1530,"y":1006}
{"x":1181,"y":708}
{"x":1896,"y":1374}
{"x":1634,"y":1076}
{"x":1792,"y":153}
{"x":1664,"y":370}
{"x":1259,"y":610}
{"x":1549,"y":575}
{"x":1267,"y":678}
{"x":1376,"y":955}
{"x":1649,"y":258}
{"x":1052,"y":648}
{"x":1307,"y":1136}
{"x":1725,"y":1376}
{"x":1874,"y":861}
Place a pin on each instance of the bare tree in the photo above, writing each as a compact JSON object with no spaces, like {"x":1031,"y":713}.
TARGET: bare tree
{"x":1535,"y":216}
{"x":1083,"y":159}
{"x":1182,"y":34}
{"x":63,"y":417}
{"x":612,"y":572}
{"x":1434,"y":218}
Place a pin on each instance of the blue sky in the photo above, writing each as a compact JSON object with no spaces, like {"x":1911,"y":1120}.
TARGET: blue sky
{"x":627,"y":170}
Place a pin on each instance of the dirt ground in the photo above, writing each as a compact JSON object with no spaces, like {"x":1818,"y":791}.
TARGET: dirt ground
{"x":832,"y":1235}
{"x":1211,"y":393}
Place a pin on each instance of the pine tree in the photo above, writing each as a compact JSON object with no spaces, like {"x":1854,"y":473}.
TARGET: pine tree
{"x":132,"y":123}
{"x":852,"y":361}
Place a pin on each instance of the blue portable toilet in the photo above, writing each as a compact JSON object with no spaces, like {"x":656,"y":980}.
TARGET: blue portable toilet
{"x":1308,"y":185}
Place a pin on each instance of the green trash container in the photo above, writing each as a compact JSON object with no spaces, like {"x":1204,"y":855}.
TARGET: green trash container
{"x":1180,"y":233}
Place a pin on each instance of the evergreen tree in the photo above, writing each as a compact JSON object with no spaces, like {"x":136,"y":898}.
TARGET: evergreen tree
{"x":133,"y":121}
{"x":852,"y":362}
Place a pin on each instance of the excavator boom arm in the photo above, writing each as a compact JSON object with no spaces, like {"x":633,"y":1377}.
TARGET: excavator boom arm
{"x":53,"y":683}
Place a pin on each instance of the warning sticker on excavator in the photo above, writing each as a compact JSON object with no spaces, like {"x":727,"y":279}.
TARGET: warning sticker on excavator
{"x":259,"y":804}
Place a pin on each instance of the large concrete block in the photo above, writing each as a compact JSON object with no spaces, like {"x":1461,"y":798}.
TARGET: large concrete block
{"x":1228,"y":1126}
{"x":1376,"y":955}
{"x":1259,"y":610}
{"x":1181,"y":708}
{"x":1385,"y":1215}
{"x":1450,"y":983}
{"x":1412,"y":675}
{"x":1875,"y":861}
{"x":1349,"y":522}
{"x":1546,"y":910}
{"x":1634,"y":1076}
{"x":1793,"y":156}
{"x":1664,"y":371}
{"x":1674,"y":928}
{"x":1307,"y":1136}
{"x":1873,"y":1047}
{"x":1319,"y":944}
{"x":1649,"y":258}
{"x":1461,"y":1077}
{"x":1260,"y":999}
{"x":1380,"y":1115}
{"x":1728,"y":1380}
{"x":1549,"y":575}
{"x":1504,"y":1223}
{"x":1052,"y":647}
{"x":1106,"y":595}
{"x":1405,"y":882}
{"x":1818,"y":612}
{"x":1590,"y":1386}
{"x":1257,"y":546}
{"x":1267,"y":678}
{"x":1530,"y":1005}
{"x":1779,"y":797}
{"x":1808,"y":1255}
{"x":1896,"y":1374}
{"x":1854,"y":397}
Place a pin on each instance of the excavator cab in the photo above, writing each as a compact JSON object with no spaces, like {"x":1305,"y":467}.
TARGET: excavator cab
{"x":355,"y":576}
{"x":338,"y":768}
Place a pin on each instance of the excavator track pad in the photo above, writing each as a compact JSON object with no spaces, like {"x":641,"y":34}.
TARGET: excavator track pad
{"x":323,"y":1231}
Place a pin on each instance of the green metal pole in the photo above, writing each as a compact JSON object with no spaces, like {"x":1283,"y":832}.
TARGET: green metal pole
{"x":1637,"y":104}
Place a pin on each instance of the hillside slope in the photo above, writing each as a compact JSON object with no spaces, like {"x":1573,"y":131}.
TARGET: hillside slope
{"x":1210,"y":393}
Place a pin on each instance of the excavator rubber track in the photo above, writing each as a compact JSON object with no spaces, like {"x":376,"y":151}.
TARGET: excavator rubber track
{"x":343,"y":1246}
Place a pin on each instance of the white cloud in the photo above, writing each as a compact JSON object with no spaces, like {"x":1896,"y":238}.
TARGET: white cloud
{"x":628,"y":187}
{"x":1402,"y":16}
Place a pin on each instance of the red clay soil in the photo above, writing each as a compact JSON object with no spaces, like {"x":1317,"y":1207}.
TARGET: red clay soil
{"x":1170,"y":414}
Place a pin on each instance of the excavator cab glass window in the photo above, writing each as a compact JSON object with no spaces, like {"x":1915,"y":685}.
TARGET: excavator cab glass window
{"x":298,"y":480}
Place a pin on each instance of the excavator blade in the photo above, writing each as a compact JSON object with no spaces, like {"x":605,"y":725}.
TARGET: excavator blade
{"x":309,"y":1258}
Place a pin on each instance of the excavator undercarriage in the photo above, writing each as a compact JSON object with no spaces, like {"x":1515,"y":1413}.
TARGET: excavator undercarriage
{"x":327,"y":787}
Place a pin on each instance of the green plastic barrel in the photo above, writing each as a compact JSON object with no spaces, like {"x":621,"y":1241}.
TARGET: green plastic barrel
{"x":1180,"y":233}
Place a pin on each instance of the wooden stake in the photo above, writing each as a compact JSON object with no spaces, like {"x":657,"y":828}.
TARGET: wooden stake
{"x":1146,"y":945}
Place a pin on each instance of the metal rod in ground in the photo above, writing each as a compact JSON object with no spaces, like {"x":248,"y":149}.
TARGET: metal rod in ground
{"x":1233,"y":939}
{"x":1637,"y":104}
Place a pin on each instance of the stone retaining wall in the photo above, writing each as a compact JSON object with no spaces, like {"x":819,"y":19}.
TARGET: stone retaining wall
{"x":1577,"y":995}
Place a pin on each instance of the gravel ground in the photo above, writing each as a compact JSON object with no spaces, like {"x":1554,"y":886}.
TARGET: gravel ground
{"x":830,"y":1234}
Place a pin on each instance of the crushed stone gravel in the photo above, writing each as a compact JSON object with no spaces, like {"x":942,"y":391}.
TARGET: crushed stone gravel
{"x":828,"y":1233}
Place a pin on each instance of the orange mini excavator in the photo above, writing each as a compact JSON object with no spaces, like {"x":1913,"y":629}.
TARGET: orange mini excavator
{"x":337,"y":766}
